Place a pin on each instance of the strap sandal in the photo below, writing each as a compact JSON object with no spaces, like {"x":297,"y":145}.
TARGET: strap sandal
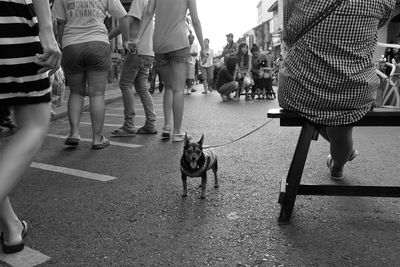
{"x":71,"y":141}
{"x":353,"y":155}
{"x":166,"y":133}
{"x":336,"y":175}
{"x":104,"y":143}
{"x":8,"y":249}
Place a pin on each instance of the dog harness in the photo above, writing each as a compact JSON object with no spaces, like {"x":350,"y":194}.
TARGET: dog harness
{"x":210,"y":158}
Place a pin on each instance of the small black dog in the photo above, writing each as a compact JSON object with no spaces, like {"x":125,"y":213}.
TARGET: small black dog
{"x":195,"y":162}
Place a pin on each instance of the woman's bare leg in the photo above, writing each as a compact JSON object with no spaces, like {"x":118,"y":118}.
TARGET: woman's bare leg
{"x":16,"y":157}
{"x":341,"y":145}
{"x":77,"y":85}
{"x":97,"y":81}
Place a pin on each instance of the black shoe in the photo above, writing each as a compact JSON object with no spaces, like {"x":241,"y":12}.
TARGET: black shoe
{"x":8,"y":249}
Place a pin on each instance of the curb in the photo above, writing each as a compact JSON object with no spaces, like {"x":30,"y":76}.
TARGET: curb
{"x":62,"y":111}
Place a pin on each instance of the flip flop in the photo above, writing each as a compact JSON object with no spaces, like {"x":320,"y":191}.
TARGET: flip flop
{"x":143,"y":130}
{"x":8,"y":249}
{"x":71,"y":141}
{"x":337,"y":175}
{"x":104,"y":143}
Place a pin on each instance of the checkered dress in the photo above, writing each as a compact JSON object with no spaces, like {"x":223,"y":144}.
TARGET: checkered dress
{"x":328,"y":75}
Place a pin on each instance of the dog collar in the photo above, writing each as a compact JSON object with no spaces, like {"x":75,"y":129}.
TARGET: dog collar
{"x":197,"y":172}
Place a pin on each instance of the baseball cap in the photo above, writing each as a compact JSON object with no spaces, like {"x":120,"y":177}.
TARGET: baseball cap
{"x":229,"y":34}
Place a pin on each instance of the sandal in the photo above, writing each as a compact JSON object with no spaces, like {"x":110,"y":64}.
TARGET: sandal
{"x":71,"y":141}
{"x":337,"y":175}
{"x":104,"y":143}
{"x":180,"y":137}
{"x":143,"y":130}
{"x":8,"y":249}
{"x":166,"y":133}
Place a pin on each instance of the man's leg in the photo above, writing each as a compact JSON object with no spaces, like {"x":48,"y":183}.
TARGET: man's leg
{"x":145,"y":97}
{"x":128,"y":75}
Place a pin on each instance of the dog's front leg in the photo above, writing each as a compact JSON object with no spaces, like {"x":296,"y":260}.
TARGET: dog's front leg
{"x":184,"y":183}
{"x":203,"y":185}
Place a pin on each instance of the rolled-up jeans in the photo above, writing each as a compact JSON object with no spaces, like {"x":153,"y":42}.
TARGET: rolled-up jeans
{"x":135,"y":72}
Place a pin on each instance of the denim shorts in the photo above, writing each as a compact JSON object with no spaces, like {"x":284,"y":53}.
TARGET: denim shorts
{"x":177,"y":56}
{"x":88,"y":56}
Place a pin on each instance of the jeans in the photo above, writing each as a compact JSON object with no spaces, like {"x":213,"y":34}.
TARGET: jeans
{"x":135,"y":72}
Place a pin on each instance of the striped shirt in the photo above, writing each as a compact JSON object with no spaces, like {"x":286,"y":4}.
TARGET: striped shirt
{"x":19,"y":43}
{"x":328,"y":75}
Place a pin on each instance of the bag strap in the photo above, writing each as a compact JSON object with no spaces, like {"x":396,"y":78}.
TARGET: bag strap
{"x":320,"y":17}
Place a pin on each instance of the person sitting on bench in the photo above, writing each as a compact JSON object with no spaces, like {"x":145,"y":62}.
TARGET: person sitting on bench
{"x":328,"y":76}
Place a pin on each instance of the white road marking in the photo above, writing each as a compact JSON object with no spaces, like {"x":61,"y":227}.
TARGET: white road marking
{"x":90,"y":140}
{"x":26,"y":258}
{"x":122,"y":115}
{"x":73,"y":172}
{"x":105,"y":124}
{"x":137,"y":109}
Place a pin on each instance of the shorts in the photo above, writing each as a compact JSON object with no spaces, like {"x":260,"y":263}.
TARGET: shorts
{"x":177,"y":56}
{"x":88,"y":56}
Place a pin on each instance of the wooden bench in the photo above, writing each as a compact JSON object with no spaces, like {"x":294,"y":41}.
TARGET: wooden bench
{"x":291,"y":186}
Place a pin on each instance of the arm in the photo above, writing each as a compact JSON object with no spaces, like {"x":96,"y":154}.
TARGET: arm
{"x":134,"y":24}
{"x":124,"y":27}
{"x":51,"y":57}
{"x":148,"y":17}
{"x":197,"y":25}
{"x":249,"y":64}
{"x":60,"y":30}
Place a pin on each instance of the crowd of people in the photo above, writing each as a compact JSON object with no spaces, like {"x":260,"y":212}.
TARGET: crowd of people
{"x":254,"y":70}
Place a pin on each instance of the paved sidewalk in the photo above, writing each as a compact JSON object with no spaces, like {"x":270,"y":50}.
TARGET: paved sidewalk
{"x":113,"y":93}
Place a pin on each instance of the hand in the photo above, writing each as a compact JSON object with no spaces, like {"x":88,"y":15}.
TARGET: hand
{"x":203,"y":54}
{"x":130,"y":46}
{"x":50,"y":60}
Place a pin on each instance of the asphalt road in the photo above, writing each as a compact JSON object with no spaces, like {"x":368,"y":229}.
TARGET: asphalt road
{"x":138,"y":218}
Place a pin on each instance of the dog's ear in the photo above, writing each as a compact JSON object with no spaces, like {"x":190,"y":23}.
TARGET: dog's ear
{"x":187,"y":142}
{"x":201,"y":141}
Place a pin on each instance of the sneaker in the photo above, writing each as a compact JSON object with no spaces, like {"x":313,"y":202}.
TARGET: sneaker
{"x":125,"y":130}
{"x":193,"y":90}
{"x":224,"y":98}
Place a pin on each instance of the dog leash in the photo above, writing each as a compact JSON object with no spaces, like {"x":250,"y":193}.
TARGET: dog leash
{"x":243,"y":136}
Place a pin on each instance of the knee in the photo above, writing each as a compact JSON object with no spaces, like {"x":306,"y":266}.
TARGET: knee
{"x":78,"y":91}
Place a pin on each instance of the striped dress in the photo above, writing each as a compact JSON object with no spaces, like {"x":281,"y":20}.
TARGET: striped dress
{"x":19,"y":42}
{"x":328,"y":75}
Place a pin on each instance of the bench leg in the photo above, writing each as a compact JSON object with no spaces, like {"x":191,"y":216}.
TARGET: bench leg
{"x":287,"y":198}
